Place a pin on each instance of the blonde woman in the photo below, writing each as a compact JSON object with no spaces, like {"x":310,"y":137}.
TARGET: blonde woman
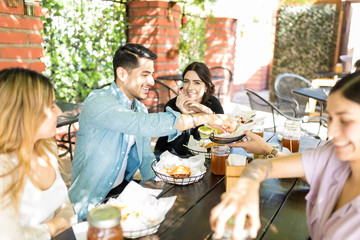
{"x":34,"y":203}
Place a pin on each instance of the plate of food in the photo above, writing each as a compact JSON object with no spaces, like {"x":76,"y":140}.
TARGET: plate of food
{"x":141,"y":211}
{"x":202,"y":146}
{"x":180,"y":171}
{"x":246,"y":122}
{"x":178,"y":175}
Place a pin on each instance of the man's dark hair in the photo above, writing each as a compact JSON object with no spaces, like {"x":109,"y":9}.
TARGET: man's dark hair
{"x":127,"y":56}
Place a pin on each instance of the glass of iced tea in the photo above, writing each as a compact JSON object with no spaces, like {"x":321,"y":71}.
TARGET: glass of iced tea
{"x":291,"y":135}
{"x":219,"y":156}
{"x":259,"y":129}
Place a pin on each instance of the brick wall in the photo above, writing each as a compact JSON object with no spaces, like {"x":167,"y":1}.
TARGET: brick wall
{"x":220,"y":49}
{"x":156,"y":25}
{"x":220,"y":42}
{"x":20,"y":38}
{"x":258,"y":81}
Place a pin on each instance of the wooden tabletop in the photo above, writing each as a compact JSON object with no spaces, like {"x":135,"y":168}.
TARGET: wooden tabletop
{"x":282,"y":206}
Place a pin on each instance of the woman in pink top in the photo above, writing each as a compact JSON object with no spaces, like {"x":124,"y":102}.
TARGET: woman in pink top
{"x":332,"y":171}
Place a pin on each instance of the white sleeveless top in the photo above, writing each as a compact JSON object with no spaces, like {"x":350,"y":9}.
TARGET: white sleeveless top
{"x":36,"y":206}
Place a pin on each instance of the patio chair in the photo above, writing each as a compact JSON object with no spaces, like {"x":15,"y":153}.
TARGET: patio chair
{"x":284,"y":83}
{"x":221,"y":77}
{"x":259,"y":103}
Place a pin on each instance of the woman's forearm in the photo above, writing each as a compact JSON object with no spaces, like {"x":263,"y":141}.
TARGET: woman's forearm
{"x":258,"y":170}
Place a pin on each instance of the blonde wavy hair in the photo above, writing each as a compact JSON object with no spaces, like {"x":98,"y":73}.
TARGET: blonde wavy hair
{"x":24,"y":95}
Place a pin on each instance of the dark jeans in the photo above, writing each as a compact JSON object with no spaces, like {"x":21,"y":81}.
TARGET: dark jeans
{"x":116,"y":191}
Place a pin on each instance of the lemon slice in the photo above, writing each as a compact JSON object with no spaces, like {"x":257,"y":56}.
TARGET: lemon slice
{"x":205,"y":131}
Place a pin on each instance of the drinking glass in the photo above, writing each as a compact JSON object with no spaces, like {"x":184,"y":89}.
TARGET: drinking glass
{"x":259,"y":129}
{"x":219,"y":156}
{"x":291,"y":135}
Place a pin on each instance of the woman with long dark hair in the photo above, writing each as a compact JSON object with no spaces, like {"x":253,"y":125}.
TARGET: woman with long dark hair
{"x":197,"y":97}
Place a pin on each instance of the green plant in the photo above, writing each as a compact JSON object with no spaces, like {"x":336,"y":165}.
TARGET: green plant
{"x":305,"y":40}
{"x":80,"y":39}
{"x":192,"y":41}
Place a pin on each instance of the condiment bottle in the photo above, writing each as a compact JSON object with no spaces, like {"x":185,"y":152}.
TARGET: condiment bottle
{"x":104,"y":223}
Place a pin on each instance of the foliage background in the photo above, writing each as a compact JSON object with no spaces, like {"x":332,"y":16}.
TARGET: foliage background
{"x":192,"y":41}
{"x":81,"y":37}
{"x":305,"y":40}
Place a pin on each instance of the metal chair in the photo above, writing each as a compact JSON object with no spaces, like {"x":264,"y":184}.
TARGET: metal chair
{"x":284,"y":83}
{"x":224,"y":75}
{"x":259,"y":103}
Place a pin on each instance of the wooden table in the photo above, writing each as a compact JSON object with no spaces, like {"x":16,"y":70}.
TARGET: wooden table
{"x":282,"y":206}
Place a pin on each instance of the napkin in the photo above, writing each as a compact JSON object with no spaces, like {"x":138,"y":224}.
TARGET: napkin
{"x":141,"y":207}
{"x":236,"y":160}
{"x":169,"y":160}
{"x":196,"y":145}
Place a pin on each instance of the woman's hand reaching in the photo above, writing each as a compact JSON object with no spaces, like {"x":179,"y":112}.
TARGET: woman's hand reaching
{"x":240,"y":203}
{"x":253,"y":144}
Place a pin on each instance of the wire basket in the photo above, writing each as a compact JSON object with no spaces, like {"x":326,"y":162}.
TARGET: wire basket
{"x":141,"y":233}
{"x":176,"y":181}
{"x":195,"y":152}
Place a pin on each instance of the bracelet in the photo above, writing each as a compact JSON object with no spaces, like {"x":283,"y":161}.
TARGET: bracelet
{"x":193,"y":118}
{"x":272,"y":154}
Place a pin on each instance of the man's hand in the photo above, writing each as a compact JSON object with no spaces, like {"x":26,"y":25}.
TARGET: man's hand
{"x":223,"y":122}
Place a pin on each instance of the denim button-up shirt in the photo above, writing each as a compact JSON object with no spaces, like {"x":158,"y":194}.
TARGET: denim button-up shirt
{"x":105,"y":123}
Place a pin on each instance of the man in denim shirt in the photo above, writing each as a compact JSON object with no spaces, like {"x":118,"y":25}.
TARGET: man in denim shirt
{"x":115,"y":130}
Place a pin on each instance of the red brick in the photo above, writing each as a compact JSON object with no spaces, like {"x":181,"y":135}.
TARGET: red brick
{"x":218,"y":31}
{"x":37,"y":66}
{"x":138,"y":4}
{"x":161,"y":59}
{"x":22,"y":23}
{"x":22,"y":52}
{"x":217,"y":44}
{"x":158,"y":4}
{"x":159,"y":49}
{"x":38,"y":11}
{"x":146,"y":30}
{"x":5,"y":9}
{"x":153,"y":22}
{"x":35,"y":38}
{"x":171,"y":66}
{"x":158,"y":67}
{"x":13,"y":37}
{"x":4,"y":65}
{"x":151,"y":40}
{"x":148,"y":12}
